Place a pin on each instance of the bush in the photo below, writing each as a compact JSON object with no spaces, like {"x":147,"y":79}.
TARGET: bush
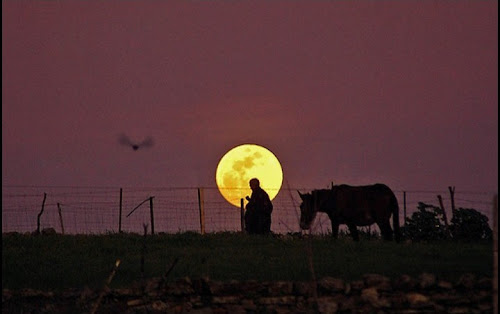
{"x":425,"y":224}
{"x":470,"y":225}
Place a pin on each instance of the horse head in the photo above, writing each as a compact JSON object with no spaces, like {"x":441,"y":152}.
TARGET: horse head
{"x":307,"y":210}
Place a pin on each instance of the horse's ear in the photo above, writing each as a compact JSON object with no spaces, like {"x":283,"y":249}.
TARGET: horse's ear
{"x":300,"y":194}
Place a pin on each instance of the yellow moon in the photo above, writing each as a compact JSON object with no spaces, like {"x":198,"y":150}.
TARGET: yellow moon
{"x":242,"y":163}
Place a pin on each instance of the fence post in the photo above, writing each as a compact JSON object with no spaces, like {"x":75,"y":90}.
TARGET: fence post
{"x":120,"y":215}
{"x":152,"y":216}
{"x":40,"y":214}
{"x":143,"y":251}
{"x":404,"y":207}
{"x":452,"y":196}
{"x":60,"y":217}
{"x":201,"y":207}
{"x":495,"y":254}
{"x":242,"y":211}
{"x":448,"y":231}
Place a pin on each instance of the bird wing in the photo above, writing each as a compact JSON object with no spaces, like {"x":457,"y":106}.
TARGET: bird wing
{"x":148,"y":142}
{"x":124,"y":140}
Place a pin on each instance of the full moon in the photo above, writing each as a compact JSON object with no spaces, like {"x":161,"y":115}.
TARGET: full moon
{"x":242,"y":163}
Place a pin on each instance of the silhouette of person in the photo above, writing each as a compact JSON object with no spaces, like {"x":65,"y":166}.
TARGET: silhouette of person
{"x":258,"y":210}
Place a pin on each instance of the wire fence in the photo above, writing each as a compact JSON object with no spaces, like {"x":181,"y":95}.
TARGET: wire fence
{"x":96,"y":210}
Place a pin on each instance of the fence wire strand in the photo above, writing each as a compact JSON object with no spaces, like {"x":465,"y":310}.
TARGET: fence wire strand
{"x":95,"y":210}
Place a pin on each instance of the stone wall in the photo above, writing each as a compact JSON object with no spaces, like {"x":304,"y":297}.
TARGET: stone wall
{"x":372,"y":294}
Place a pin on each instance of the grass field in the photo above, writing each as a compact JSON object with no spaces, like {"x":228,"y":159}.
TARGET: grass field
{"x":75,"y":261}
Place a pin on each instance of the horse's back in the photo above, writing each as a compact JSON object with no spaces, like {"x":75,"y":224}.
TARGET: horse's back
{"x":363,"y":204}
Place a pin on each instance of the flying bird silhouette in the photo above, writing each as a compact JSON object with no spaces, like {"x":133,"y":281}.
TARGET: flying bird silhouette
{"x":125,"y":140}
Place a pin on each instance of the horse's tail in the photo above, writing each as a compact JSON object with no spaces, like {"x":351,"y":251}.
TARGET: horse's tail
{"x":395,"y":218}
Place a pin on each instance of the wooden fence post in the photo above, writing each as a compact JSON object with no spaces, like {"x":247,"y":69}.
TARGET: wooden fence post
{"x":40,"y":214}
{"x":448,"y":231}
{"x":404,"y":207}
{"x":143,"y":251}
{"x":201,"y":207}
{"x":242,"y":211}
{"x":152,"y":216}
{"x":120,"y":215}
{"x":452,"y":196}
{"x":495,"y":254}
{"x":60,"y":217}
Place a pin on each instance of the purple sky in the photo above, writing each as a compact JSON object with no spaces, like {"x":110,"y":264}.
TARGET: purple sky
{"x":399,"y":92}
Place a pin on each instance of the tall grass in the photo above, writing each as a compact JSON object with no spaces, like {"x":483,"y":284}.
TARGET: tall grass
{"x":75,"y":261}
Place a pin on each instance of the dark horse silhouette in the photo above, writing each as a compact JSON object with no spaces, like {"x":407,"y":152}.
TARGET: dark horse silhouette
{"x":353,"y":206}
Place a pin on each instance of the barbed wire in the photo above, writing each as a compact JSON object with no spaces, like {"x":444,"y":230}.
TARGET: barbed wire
{"x":95,"y":209}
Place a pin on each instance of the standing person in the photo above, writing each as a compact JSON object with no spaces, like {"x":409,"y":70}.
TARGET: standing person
{"x":258,"y":210}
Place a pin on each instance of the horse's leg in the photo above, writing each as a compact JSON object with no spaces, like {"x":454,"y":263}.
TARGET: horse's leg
{"x":354,"y":231}
{"x":385,"y":229}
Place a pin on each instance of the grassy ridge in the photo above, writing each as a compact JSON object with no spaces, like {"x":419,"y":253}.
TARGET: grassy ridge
{"x":74,"y":261}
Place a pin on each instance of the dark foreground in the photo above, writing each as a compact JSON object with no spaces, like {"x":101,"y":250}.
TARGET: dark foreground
{"x":58,"y":262}
{"x":372,"y":294}
{"x":241,"y":274}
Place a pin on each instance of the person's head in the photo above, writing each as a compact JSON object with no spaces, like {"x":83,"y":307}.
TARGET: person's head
{"x":254,"y":183}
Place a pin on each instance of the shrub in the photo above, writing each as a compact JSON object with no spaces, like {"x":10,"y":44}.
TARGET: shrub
{"x":425,"y":224}
{"x":470,"y":225}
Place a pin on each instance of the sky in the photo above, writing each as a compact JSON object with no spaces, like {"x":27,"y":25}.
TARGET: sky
{"x":357,"y":92}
